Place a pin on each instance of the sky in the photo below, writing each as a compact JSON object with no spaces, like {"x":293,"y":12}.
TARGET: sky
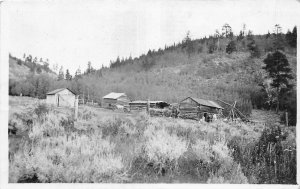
{"x":71,"y":33}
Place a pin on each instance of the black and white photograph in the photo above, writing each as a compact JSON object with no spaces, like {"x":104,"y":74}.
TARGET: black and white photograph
{"x":149,"y":92}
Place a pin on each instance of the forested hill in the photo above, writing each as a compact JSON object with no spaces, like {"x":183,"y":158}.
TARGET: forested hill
{"x":20,"y":69}
{"x":222,"y":66}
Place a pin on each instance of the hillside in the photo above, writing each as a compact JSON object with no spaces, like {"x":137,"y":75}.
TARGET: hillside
{"x":16,"y":71}
{"x":206,"y":68}
{"x":20,"y":70}
{"x":172,"y":74}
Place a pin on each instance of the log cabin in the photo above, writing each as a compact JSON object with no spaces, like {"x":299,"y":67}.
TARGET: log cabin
{"x":195,"y":108}
{"x":142,"y":105}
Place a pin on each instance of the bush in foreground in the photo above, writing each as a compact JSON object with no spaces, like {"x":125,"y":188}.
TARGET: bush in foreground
{"x":147,"y":149}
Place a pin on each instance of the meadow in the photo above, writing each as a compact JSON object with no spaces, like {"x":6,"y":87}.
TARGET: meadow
{"x":103,"y":146}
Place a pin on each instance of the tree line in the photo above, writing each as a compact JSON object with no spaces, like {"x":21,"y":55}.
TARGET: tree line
{"x":270,"y":87}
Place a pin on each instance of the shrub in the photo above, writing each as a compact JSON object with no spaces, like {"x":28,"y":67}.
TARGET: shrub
{"x":41,"y":109}
{"x":231,"y":47}
{"x":254,"y":50}
{"x":140,"y":148}
{"x":203,"y":151}
{"x":163,"y":149}
{"x":228,"y":173}
{"x":70,"y":159}
{"x":161,"y":145}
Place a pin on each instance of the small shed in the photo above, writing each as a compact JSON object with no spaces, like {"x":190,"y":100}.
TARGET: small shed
{"x":141,"y":104}
{"x":61,"y":97}
{"x":196,"y":108}
{"x":114,"y":99}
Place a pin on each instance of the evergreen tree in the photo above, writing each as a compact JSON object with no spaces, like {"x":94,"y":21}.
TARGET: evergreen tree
{"x":218,"y":35}
{"x":46,"y":66}
{"x":240,"y":36}
{"x":35,"y":60}
{"x":78,"y":73}
{"x":231,"y":47}
{"x":68,"y":75}
{"x":291,"y":37}
{"x":268,"y":35}
{"x":277,"y":29}
{"x":277,"y":66}
{"x":29,"y":59}
{"x":278,"y":42}
{"x":61,"y":75}
{"x":89,"y":68}
{"x":253,"y":48}
{"x":38,"y":70}
{"x":188,"y":44}
{"x":294,"y":39}
{"x":226,"y":28}
{"x":211,"y":46}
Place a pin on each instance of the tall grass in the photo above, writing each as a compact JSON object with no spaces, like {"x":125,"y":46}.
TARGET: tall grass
{"x":99,"y":147}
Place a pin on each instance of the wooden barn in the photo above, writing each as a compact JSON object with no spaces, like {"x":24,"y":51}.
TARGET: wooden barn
{"x":61,"y":97}
{"x":115,"y":99}
{"x":142,"y":105}
{"x":195,"y":108}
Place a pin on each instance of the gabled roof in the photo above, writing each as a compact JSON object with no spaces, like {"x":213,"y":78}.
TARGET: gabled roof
{"x":114,"y":95}
{"x":208,"y":103}
{"x":58,"y":90}
{"x":215,"y":104}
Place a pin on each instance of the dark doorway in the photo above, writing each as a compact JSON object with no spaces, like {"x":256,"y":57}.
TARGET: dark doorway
{"x":205,"y":117}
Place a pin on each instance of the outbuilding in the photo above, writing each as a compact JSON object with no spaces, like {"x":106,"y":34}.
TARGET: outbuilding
{"x":195,"y":108}
{"x":115,"y":99}
{"x":142,"y":104}
{"x":61,"y":97}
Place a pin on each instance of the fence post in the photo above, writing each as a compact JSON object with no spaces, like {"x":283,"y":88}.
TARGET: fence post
{"x":76,"y":108}
{"x":286,"y":118}
{"x":148,"y":107}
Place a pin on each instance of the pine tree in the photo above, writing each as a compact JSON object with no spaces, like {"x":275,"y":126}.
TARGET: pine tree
{"x":89,"y":68}
{"x":61,"y":75}
{"x":188,"y":44}
{"x":68,"y":75}
{"x":277,"y":66}
{"x":39,"y":70}
{"x":231,"y":47}
{"x":226,"y":28}
{"x":29,"y":58}
{"x":78,"y":73}
{"x":294,"y":39}
{"x":278,"y":42}
{"x":268,"y":35}
{"x":35,"y":60}
{"x":291,"y":37}
{"x":253,"y":48}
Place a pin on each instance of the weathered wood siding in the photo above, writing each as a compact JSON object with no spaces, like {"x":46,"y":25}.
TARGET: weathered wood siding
{"x":188,"y":105}
{"x":141,"y":106}
{"x":188,"y":109}
{"x":63,"y":98}
{"x":122,"y":100}
{"x":51,"y":99}
{"x":66,"y":98}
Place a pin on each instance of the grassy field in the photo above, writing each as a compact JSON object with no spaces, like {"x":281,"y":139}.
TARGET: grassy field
{"x":103,"y":146}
